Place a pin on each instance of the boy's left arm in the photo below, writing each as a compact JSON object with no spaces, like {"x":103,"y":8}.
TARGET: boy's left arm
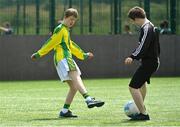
{"x":78,"y":52}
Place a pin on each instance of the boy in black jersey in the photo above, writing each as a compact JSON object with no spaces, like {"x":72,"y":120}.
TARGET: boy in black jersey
{"x":148,"y":53}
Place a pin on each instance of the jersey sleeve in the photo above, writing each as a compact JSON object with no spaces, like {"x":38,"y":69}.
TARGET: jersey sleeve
{"x":143,"y":46}
{"x":77,"y":51}
{"x":52,"y":42}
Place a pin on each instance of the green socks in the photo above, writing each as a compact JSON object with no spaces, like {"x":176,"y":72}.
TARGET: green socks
{"x":65,"y":108}
{"x":85,"y":95}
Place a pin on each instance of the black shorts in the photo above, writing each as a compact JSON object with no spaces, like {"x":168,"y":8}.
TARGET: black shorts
{"x":143,"y":73}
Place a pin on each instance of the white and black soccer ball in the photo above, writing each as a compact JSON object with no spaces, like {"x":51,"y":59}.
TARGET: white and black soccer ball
{"x":130,"y":109}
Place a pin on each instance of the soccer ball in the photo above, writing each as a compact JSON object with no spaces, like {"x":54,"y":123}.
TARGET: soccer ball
{"x":131,"y":109}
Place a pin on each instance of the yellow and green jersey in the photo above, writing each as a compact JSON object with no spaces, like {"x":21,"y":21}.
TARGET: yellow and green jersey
{"x":63,"y":47}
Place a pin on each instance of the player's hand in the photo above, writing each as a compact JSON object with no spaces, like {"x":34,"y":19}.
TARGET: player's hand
{"x":33,"y":56}
{"x":90,"y":55}
{"x":128,"y":60}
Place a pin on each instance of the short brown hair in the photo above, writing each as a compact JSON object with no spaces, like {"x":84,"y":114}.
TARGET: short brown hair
{"x":136,"y":12}
{"x":71,"y":12}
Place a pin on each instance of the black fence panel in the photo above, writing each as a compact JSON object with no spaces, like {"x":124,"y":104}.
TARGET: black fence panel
{"x":97,"y":17}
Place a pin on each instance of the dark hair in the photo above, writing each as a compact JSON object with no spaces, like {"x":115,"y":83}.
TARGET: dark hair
{"x":71,"y":12}
{"x":127,"y":27}
{"x":136,"y":12}
{"x":164,"y":24}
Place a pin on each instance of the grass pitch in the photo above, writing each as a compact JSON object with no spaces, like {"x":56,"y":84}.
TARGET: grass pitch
{"x":37,"y":103}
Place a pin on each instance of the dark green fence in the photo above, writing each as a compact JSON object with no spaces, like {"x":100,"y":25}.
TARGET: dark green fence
{"x":96,"y":16}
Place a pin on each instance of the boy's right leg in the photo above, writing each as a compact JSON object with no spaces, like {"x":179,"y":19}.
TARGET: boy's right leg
{"x":78,"y":84}
{"x":137,"y":88}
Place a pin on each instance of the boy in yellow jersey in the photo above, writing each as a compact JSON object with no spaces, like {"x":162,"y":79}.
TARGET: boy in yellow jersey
{"x":66,"y":67}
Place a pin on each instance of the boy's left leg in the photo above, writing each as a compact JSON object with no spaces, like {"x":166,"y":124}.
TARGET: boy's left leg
{"x":65,"y":112}
{"x":138,"y":99}
{"x":71,"y":93}
{"x":143,"y":91}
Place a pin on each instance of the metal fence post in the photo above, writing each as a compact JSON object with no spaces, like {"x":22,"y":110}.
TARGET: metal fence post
{"x":119,"y":16}
{"x":17,"y":17}
{"x":147,"y":8}
{"x":90,"y":16}
{"x":52,"y":15}
{"x":173,"y":15}
{"x":111,"y":19}
{"x":81,"y":16}
{"x":37,"y":17}
{"x":24,"y":16}
{"x":178,"y":17}
{"x":115,"y":16}
{"x":167,"y":9}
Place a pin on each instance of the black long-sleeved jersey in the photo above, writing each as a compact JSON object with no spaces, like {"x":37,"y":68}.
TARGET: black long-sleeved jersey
{"x":149,"y":47}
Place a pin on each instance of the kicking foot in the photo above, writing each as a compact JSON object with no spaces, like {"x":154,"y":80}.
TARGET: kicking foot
{"x":94,"y":103}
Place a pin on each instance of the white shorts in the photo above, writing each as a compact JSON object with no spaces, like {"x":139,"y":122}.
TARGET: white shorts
{"x":63,"y":69}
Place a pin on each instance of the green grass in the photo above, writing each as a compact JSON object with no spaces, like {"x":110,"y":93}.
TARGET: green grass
{"x":37,"y":103}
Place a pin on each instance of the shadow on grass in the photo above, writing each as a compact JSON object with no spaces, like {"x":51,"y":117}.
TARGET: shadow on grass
{"x":51,"y":119}
{"x":124,"y":121}
{"x":131,"y":121}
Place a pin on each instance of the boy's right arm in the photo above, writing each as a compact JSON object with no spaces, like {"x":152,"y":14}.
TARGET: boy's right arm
{"x":52,"y":42}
